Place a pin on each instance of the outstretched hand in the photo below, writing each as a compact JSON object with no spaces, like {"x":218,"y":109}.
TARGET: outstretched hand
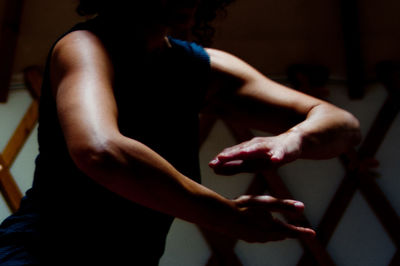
{"x":257,"y":224}
{"x":258,"y":154}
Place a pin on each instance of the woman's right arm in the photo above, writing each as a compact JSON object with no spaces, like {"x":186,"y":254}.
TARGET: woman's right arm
{"x":82,"y":78}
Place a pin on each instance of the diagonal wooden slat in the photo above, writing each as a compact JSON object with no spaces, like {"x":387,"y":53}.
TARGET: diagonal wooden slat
{"x":8,"y":42}
{"x":332,"y":216}
{"x":8,"y":187}
{"x":380,"y":127}
{"x":375,"y":198}
{"x":21,"y":134}
{"x":337,"y":208}
{"x":381,"y":207}
{"x":311,"y":245}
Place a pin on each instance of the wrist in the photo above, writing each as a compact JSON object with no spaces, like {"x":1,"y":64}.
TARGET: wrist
{"x":296,"y":143}
{"x":228,"y":220}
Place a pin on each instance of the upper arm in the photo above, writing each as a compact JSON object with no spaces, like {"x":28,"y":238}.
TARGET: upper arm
{"x":243,"y":92}
{"x":81,"y":79}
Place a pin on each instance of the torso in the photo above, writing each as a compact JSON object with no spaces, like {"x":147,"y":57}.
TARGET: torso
{"x":158,"y":105}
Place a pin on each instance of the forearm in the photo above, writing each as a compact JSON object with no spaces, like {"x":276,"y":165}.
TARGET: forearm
{"x":245,"y":95}
{"x":137,"y":173}
{"x":326,"y":132}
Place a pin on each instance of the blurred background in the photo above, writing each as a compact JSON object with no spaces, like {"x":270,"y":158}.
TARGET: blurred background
{"x":344,"y":51}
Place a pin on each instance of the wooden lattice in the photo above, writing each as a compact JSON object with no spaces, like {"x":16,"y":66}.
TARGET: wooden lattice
{"x":359,"y":176}
{"x":8,"y":187}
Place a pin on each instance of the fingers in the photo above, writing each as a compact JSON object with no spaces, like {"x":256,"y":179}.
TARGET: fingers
{"x":281,"y":230}
{"x":276,"y":230}
{"x":251,"y":156}
{"x":247,"y":153}
{"x":246,"y":150}
{"x":258,"y":209}
{"x":270,"y":204}
{"x":271,"y":151}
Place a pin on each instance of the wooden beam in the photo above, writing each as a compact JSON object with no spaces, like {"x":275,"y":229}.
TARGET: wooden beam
{"x":9,"y":32}
{"x":353,"y":48}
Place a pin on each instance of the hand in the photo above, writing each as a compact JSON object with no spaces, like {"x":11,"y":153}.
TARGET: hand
{"x":258,"y":154}
{"x":256,"y":224}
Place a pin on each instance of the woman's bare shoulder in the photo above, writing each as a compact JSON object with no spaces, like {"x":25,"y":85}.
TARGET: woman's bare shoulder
{"x":80,"y":52}
{"x":79,"y":48}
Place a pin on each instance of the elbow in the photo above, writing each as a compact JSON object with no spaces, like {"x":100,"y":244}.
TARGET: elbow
{"x":352,"y":126}
{"x":344,"y":125}
{"x":94,"y":159}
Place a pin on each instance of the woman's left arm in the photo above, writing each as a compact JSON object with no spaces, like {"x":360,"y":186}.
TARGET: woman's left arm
{"x":304,"y":126}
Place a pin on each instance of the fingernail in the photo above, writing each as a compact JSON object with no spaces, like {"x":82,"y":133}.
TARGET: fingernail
{"x":274,"y":157}
{"x":214,"y":162}
{"x":299,"y":205}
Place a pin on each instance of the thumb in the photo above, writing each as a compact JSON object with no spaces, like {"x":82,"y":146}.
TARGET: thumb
{"x":277,"y":155}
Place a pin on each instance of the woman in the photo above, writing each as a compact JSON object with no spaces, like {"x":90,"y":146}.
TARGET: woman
{"x":118,"y":139}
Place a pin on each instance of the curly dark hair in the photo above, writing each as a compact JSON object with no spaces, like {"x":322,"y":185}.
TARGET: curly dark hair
{"x":207,"y":12}
{"x":202,"y":30}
